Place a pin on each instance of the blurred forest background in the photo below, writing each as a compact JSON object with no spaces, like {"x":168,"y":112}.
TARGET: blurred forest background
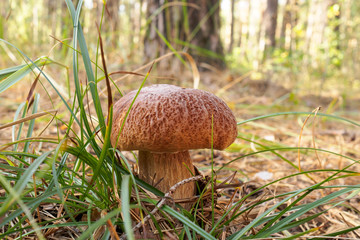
{"x":306,"y":46}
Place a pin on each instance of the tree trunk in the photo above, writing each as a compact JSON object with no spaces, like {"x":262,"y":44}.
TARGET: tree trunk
{"x":111,"y":23}
{"x":316,"y":23}
{"x":240,"y":35}
{"x":203,"y":37}
{"x":205,"y":27}
{"x":270,"y":21}
{"x":232,"y":27}
{"x":153,"y":45}
{"x":286,"y":23}
{"x":290,"y":19}
{"x":254,"y":37}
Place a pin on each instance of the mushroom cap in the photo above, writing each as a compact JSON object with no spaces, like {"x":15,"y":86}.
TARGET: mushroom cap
{"x":167,"y":118}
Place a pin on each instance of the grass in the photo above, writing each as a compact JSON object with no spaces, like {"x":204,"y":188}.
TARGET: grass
{"x":74,"y":184}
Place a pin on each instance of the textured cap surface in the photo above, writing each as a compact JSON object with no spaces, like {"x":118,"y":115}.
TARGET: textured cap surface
{"x":167,"y":118}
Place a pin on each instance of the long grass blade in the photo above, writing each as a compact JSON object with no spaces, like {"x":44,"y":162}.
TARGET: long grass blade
{"x":32,"y":121}
{"x":14,"y":77}
{"x":105,"y":71}
{"x":15,"y":137}
{"x":300,"y":113}
{"x":125,"y":206}
{"x":25,"y":119}
{"x":79,"y":37}
{"x":105,"y":150}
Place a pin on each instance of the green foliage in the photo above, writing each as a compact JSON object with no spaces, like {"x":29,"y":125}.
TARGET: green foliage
{"x":10,"y":76}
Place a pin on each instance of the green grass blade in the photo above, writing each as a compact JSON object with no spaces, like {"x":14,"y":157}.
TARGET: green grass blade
{"x":41,"y":61}
{"x":270,"y":149}
{"x":33,"y":203}
{"x":168,"y":44}
{"x":287,"y":149}
{"x":97,"y":224}
{"x":331,"y":235}
{"x":248,"y":227}
{"x":299,"y":235}
{"x":90,"y":160}
{"x":306,"y":191}
{"x":300,"y":113}
{"x":104,"y":151}
{"x":78,"y":88}
{"x":56,"y":171}
{"x":305,"y":208}
{"x":132,"y":103}
{"x":79,"y":36}
{"x":10,"y":168}
{"x":125,"y":206}
{"x":199,"y":50}
{"x":44,"y":75}
{"x":15,"y":137}
{"x":203,"y":20}
{"x":92,"y":82}
{"x":50,"y":226}
{"x":23,"y":181}
{"x":32,"y":122}
{"x":15,"y":77}
{"x":188,"y":223}
{"x":186,"y":19}
{"x":14,"y":195}
{"x":8,"y":71}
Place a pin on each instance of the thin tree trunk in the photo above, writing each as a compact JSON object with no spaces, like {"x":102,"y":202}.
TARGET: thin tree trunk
{"x":239,"y":42}
{"x":131,"y":20}
{"x":293,"y":39}
{"x":317,"y":21}
{"x":232,"y":27}
{"x":254,"y":45}
{"x":205,"y":26}
{"x":270,"y":21}
{"x":154,"y":46}
{"x":112,"y":20}
{"x":244,"y":33}
{"x":286,"y":23}
{"x":140,"y":37}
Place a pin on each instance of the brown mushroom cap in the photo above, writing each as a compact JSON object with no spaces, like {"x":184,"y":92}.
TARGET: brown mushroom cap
{"x":167,"y":118}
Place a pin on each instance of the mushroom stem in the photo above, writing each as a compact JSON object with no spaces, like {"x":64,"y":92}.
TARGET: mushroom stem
{"x":166,"y":169}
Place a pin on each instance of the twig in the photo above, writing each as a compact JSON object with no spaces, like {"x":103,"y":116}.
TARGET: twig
{"x":163,"y":201}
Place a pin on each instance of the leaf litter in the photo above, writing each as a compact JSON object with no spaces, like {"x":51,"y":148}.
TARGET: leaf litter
{"x":238,"y":174}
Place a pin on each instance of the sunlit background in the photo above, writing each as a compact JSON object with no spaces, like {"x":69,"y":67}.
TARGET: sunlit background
{"x":315,"y":50}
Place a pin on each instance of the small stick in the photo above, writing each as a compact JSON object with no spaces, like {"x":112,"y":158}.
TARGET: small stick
{"x":163,"y":200}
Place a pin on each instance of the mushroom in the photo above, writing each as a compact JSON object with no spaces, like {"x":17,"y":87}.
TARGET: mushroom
{"x":165,"y":122}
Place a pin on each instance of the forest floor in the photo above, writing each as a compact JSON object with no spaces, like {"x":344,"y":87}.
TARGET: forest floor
{"x":249,"y":99}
